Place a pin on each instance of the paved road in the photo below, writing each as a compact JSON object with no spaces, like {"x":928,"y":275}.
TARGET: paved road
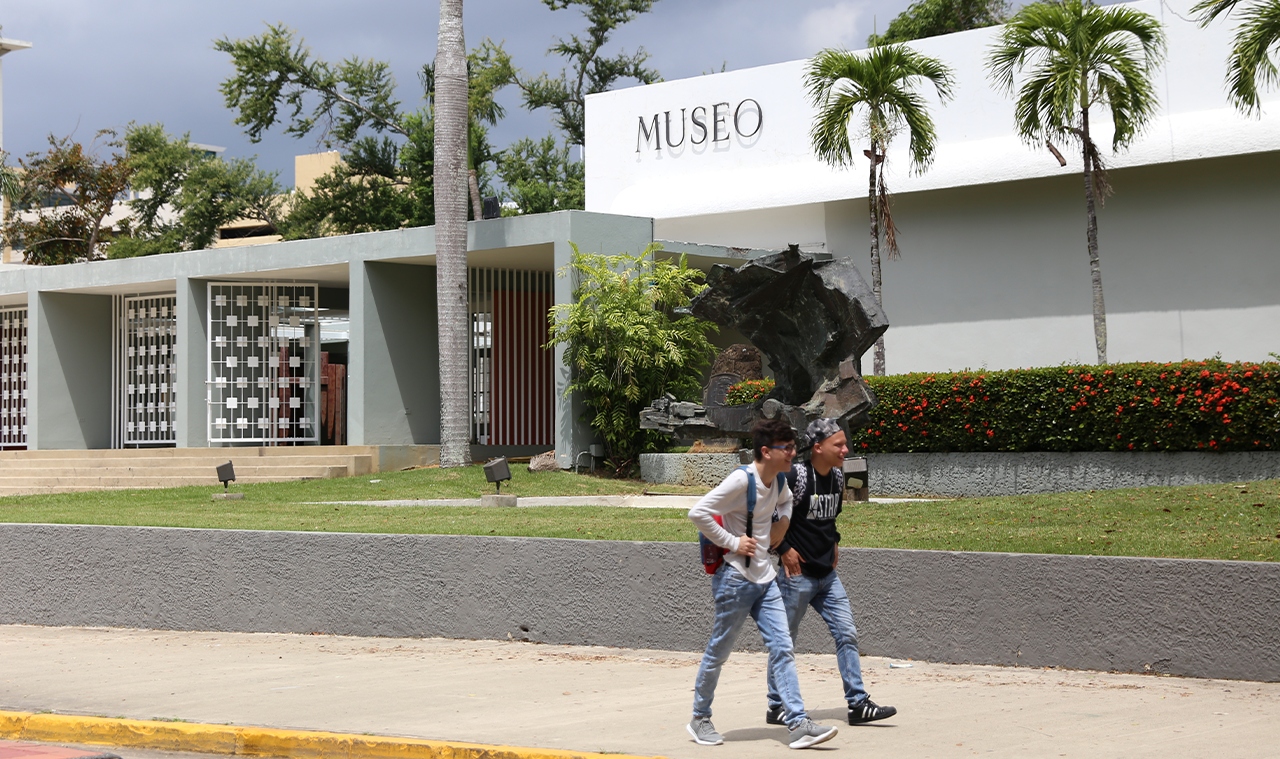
{"x":618,"y":700}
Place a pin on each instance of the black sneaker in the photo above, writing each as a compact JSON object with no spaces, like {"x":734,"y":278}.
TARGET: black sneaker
{"x":775,"y":716}
{"x":867,"y":711}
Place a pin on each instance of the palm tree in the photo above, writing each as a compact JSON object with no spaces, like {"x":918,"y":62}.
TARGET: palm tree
{"x":451,"y":236}
{"x":1078,"y":56}
{"x":1257,"y":39}
{"x":878,"y":88}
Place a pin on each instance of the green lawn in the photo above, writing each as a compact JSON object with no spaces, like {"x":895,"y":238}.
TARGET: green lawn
{"x":1207,"y":521}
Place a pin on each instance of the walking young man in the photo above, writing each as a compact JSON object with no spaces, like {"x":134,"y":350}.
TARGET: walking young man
{"x":743,"y":585}
{"x":809,"y":551}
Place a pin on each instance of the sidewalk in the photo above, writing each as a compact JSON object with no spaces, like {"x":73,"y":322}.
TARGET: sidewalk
{"x":614,"y":700}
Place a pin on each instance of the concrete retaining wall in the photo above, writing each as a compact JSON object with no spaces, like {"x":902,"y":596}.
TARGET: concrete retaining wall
{"x":1197,"y":618}
{"x":694,"y":469}
{"x":958,"y":475}
{"x":992,"y":474}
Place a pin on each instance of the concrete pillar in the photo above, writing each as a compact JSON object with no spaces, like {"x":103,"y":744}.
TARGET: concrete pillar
{"x":592,"y":233}
{"x":68,"y":371}
{"x":393,"y":369}
{"x":191,"y":357}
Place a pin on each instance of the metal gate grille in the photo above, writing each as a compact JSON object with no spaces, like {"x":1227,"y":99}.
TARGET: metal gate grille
{"x":13,"y":378}
{"x":512,"y":388}
{"x":264,"y":345}
{"x":146,"y":392}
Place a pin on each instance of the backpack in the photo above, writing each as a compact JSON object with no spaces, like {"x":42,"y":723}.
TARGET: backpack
{"x":712,"y":554}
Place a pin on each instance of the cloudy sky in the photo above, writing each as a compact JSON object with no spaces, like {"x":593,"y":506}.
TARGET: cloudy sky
{"x":99,"y":64}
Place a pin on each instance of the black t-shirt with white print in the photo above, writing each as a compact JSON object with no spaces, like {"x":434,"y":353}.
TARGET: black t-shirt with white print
{"x":813,"y":518}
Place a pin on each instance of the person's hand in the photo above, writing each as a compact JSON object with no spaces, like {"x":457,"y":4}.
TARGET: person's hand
{"x":836,"y":563}
{"x":791,"y":562}
{"x":746,"y":546}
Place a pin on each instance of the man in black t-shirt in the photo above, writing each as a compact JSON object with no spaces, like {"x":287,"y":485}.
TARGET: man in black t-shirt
{"x":809,"y":548}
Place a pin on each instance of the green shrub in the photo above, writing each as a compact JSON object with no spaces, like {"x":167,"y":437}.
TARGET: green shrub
{"x":747,"y":391}
{"x":627,"y":344}
{"x":1184,"y":406}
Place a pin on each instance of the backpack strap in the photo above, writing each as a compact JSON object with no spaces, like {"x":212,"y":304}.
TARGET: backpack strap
{"x":751,"y":504}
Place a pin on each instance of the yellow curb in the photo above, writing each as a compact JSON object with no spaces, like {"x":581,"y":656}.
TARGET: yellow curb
{"x":257,"y":741}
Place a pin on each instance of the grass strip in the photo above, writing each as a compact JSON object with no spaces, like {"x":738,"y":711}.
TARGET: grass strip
{"x":1240,"y":521}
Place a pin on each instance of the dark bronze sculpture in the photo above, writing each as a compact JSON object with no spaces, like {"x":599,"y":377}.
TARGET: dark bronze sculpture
{"x":812,"y":319}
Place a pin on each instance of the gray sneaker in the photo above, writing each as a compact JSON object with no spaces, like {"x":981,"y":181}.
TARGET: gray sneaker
{"x":704,"y":733}
{"x":808,"y":733}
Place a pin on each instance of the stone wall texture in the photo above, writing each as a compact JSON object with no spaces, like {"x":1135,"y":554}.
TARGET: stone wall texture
{"x":1195,"y":618}
{"x":991,"y":474}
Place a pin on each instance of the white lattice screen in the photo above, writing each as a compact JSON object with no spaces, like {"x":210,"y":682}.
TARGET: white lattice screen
{"x":13,"y":378}
{"x":147,"y":390}
{"x":264,"y":343}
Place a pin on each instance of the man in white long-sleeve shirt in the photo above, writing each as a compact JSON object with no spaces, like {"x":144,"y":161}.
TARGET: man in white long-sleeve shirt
{"x":743,"y":585}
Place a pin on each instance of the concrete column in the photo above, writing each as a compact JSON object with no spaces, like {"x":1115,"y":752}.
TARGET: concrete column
{"x":592,"y":233}
{"x":393,"y":380}
{"x":68,"y":371}
{"x":191,"y":358}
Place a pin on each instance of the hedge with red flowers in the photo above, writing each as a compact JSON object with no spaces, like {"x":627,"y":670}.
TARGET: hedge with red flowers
{"x":1184,"y":406}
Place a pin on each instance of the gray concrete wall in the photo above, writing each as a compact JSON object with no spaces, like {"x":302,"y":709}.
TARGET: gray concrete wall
{"x":992,"y":474}
{"x":69,"y":371}
{"x":1195,"y":618}
{"x":693,"y":469}
{"x":394,"y":355}
{"x":997,"y":276}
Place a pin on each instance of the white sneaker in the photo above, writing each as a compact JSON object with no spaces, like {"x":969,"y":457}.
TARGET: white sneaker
{"x":703,"y":732}
{"x":809,"y":733}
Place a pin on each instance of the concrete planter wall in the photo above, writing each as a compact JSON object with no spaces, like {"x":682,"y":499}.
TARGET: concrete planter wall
{"x":992,"y":474}
{"x":694,"y":469}
{"x":1197,"y":618}
{"x":958,"y":475}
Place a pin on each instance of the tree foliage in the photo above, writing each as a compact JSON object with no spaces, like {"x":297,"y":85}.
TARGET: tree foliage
{"x":540,"y":177}
{"x":185,"y":195}
{"x":874,"y":93}
{"x":1251,"y":67}
{"x":63,"y":199}
{"x":589,"y":70}
{"x":1078,"y":56}
{"x":626,"y":345}
{"x":385,"y":180}
{"x":931,"y":18}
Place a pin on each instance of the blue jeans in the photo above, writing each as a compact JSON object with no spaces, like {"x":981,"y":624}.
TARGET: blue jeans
{"x":828,"y":598}
{"x":736,"y":597}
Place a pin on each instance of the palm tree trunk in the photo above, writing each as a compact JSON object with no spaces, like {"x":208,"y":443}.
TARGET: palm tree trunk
{"x":874,"y":202}
{"x":451,"y":236}
{"x":477,"y":208}
{"x":1095,"y":266}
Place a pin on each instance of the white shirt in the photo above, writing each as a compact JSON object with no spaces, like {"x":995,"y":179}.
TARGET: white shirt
{"x":729,"y":499}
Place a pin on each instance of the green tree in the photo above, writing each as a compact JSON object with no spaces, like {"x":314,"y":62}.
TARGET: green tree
{"x":63,"y":200}
{"x":874,"y":92}
{"x":589,"y":70}
{"x":540,"y":177}
{"x":1251,"y":65}
{"x":931,"y":18}
{"x":450,"y":180}
{"x":626,"y":345}
{"x":389,"y":152}
{"x":1078,"y":56}
{"x":185,"y":195}
{"x":10,"y":184}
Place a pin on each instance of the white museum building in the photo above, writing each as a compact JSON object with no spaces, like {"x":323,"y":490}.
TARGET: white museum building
{"x":994,"y":270}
